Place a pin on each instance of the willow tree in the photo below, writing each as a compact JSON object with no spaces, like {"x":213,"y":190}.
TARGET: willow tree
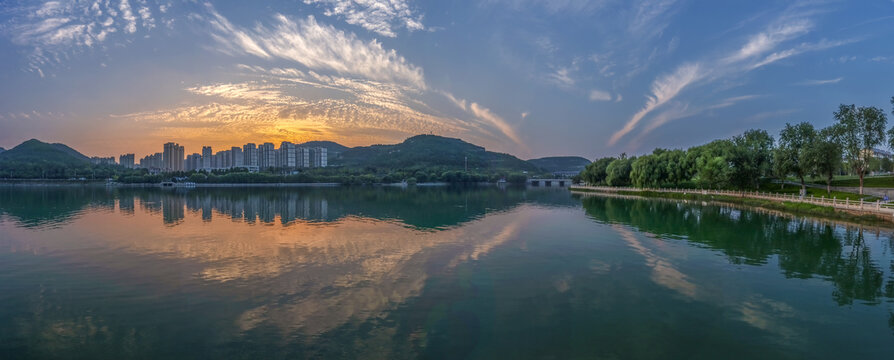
{"x":824,"y":156}
{"x":859,"y":130}
{"x":791,"y":155}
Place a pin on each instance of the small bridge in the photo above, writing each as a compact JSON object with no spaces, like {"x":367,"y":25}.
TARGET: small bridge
{"x":550,"y":182}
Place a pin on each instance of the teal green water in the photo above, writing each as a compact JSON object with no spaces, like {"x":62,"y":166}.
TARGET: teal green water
{"x":435,"y":273}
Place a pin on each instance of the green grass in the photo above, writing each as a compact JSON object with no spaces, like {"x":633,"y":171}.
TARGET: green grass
{"x":874,"y":181}
{"x":885,"y":181}
{"x":816,"y":192}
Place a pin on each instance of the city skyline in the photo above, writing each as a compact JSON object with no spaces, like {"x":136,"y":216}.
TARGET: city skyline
{"x":529,"y":78}
{"x":252,"y":156}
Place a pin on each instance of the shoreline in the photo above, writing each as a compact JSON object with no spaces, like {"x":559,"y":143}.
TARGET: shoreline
{"x":855,"y":216}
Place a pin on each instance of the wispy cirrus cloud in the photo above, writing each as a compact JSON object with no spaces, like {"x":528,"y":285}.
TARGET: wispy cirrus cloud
{"x":821,"y":82}
{"x":381,"y":87}
{"x":553,"y":6}
{"x":383,"y":17}
{"x":316,"y":46}
{"x":762,"y":48}
{"x":53,"y":30}
{"x":651,"y":16}
{"x":488,"y":119}
{"x":664,"y":89}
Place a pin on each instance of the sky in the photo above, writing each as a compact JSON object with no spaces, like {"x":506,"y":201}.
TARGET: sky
{"x":528,"y":77}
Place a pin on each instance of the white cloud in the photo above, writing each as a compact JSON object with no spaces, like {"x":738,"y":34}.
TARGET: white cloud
{"x":318,"y":47}
{"x":802,"y":48}
{"x":562,"y":77}
{"x":599,"y":95}
{"x":821,"y":82}
{"x":759,"y":50}
{"x":54,"y":30}
{"x":651,"y":16}
{"x":552,"y":6}
{"x":490,"y":119}
{"x":129,"y":18}
{"x":497,"y":121}
{"x":767,"y":40}
{"x":380,"y":16}
{"x":663,"y":90}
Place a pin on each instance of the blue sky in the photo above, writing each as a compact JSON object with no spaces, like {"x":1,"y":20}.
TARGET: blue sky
{"x":532,"y":78}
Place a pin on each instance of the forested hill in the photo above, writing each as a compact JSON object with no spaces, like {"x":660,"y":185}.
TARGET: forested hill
{"x":561,"y":163}
{"x":423,"y":151}
{"x":36,"y":151}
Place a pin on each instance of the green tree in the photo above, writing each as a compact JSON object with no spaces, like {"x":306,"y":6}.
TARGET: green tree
{"x":594,"y":173}
{"x":859,"y":130}
{"x":645,"y":171}
{"x":824,"y":156}
{"x":618,"y":171}
{"x":710,"y":163}
{"x":750,"y":158}
{"x":790,"y":156}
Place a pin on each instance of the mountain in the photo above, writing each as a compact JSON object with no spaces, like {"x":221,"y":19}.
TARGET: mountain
{"x":561,"y":163}
{"x":431,"y":151}
{"x":2,"y":149}
{"x":36,"y":151}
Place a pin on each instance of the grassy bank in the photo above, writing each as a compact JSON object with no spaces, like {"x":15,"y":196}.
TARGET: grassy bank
{"x":789,"y":189}
{"x":796,"y":208}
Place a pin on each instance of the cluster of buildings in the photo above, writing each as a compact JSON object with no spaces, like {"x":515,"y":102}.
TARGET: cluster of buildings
{"x":288,"y":157}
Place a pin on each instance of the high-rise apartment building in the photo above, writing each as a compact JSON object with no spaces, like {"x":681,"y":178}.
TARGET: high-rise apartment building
{"x":302,"y":157}
{"x":266,"y":156}
{"x":286,"y":156}
{"x":126,"y":160}
{"x":250,"y":156}
{"x":96,"y":160}
{"x":193,"y":162}
{"x":319,"y":157}
{"x":236,"y":158}
{"x":206,"y":157}
{"x":152,"y":162}
{"x":172,"y":157}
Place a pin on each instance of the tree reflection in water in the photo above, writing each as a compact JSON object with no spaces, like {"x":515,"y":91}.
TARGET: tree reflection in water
{"x":804,"y":248}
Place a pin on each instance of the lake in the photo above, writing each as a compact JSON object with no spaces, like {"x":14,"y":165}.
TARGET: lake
{"x":436,"y":273}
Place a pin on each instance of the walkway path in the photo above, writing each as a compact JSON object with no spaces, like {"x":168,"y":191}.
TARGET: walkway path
{"x":875,"y":208}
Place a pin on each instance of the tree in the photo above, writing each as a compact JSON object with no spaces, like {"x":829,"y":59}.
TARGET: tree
{"x":824,"y":156}
{"x":645,"y":171}
{"x":859,"y":130}
{"x":790,"y":156}
{"x":710,"y":163}
{"x":618,"y":171}
{"x":594,"y":173}
{"x":891,"y":131}
{"x":750,"y":158}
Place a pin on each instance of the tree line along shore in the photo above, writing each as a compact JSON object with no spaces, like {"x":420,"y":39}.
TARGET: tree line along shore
{"x":753,"y":159}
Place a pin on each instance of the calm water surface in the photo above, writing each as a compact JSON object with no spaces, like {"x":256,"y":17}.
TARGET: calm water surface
{"x":446,"y":273}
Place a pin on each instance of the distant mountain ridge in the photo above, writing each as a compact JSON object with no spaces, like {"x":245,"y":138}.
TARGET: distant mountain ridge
{"x":421,"y":151}
{"x":36,"y":151}
{"x":431,"y":151}
{"x":561,"y":163}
